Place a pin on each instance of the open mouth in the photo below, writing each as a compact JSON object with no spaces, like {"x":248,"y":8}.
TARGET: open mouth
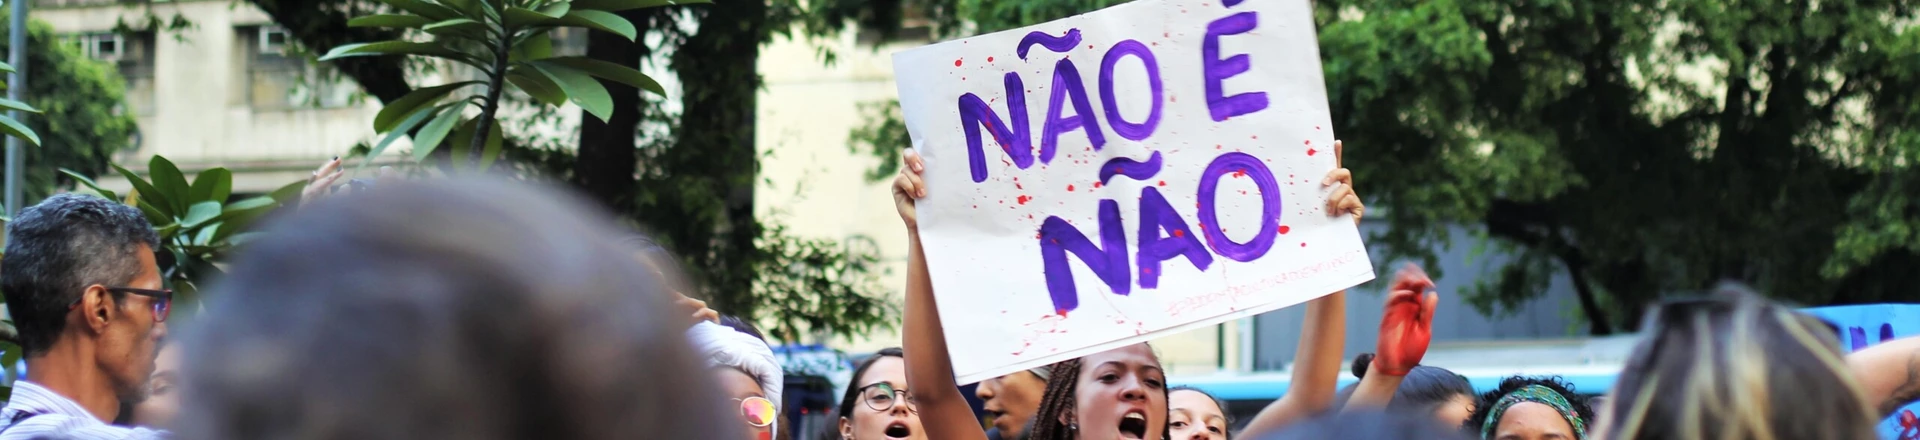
{"x":899,"y":430}
{"x":1133,"y":425}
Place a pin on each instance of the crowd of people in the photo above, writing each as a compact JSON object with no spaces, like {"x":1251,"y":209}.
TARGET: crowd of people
{"x":478,"y":309}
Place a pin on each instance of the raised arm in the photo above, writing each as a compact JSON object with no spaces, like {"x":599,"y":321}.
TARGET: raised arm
{"x":1889,"y":372}
{"x":1405,"y":331}
{"x":944,"y":413}
{"x":1316,"y":367}
{"x":1323,"y":334}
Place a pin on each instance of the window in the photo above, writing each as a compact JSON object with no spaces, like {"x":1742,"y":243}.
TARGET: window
{"x":278,"y":78}
{"x":132,"y":54}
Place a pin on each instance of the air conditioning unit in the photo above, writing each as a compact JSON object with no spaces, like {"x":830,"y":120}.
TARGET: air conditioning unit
{"x":104,"y":46}
{"x":273,"y":40}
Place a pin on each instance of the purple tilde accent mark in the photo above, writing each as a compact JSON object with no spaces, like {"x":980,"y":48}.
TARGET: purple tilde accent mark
{"x":1120,"y":125}
{"x":1131,"y":168}
{"x":1270,"y":207}
{"x":1067,"y":86}
{"x":1014,"y":136}
{"x":1231,"y":3}
{"x":1108,"y":261}
{"x":1216,"y":70}
{"x":1156,"y":216}
{"x":1060,"y":44}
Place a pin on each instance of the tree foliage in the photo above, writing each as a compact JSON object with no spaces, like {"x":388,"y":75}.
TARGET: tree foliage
{"x":82,"y":122}
{"x":1644,"y":147}
{"x":685,"y":175}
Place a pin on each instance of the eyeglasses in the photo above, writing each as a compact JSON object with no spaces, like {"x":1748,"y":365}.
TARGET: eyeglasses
{"x":880,"y":397}
{"x":162,"y":300}
{"x":758,"y":411}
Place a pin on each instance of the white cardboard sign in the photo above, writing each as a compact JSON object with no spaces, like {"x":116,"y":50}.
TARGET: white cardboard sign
{"x":1108,"y":178}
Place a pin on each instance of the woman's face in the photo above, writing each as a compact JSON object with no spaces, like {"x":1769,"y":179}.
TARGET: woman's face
{"x":1455,"y":411}
{"x":162,"y":401}
{"x":1011,"y":400}
{"x":1532,"y":421}
{"x":1196,"y":417}
{"x":1121,"y":394}
{"x":897,"y":422}
{"x":739,"y":386}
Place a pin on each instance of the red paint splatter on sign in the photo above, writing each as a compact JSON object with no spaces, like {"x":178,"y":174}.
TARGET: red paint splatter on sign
{"x":1284,"y":229}
{"x":1303,"y":244}
{"x":957,"y":62}
{"x":1309,"y":142}
{"x":1096,"y":184}
{"x":1061,"y":312}
{"x":989,"y":59}
{"x":1179,"y":233}
{"x":1024,"y":199}
{"x":1239,"y":173}
{"x":1311,"y":151}
{"x":1069,"y":187}
{"x":1163,"y":183}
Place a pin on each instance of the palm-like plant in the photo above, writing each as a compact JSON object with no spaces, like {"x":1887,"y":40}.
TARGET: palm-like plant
{"x":507,"y":41}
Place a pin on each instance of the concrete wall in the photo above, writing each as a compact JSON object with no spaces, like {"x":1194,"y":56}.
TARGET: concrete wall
{"x":202,"y":115}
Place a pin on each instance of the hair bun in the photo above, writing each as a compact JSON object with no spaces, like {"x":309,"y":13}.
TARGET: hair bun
{"x":1360,"y":364}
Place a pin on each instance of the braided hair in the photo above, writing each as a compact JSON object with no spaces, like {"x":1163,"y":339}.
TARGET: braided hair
{"x":1059,"y":399}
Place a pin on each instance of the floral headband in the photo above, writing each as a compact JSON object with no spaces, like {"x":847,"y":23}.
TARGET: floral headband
{"x":1536,"y":394}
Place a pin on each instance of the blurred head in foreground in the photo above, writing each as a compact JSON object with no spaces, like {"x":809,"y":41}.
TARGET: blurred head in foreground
{"x":449,"y":309}
{"x":1370,"y":424}
{"x":1733,"y":365}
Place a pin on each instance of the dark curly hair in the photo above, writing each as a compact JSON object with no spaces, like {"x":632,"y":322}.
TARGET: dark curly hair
{"x":1483,"y":407}
{"x":1424,"y":389}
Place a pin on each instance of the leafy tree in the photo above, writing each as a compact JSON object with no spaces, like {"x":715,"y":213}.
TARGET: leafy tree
{"x":1645,"y":147}
{"x":196,"y":224}
{"x":81,"y":123}
{"x":687,"y":176}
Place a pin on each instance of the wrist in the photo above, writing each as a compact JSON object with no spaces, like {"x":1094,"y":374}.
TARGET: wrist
{"x":1390,"y":370}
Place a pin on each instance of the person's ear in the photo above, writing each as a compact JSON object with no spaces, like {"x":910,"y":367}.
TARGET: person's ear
{"x":846,"y":429}
{"x":1067,"y":418}
{"x":97,"y":308}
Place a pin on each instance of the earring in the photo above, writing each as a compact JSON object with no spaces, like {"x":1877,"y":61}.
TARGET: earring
{"x":1075,"y":427}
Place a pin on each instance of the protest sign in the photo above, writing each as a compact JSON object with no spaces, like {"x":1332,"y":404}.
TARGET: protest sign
{"x":1104,"y":179}
{"x":1863,"y":326}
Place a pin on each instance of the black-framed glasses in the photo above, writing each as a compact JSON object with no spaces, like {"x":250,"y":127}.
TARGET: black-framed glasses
{"x":162,"y":300}
{"x":882,"y":397}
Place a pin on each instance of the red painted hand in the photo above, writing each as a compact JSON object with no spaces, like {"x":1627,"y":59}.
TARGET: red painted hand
{"x":1407,"y":327}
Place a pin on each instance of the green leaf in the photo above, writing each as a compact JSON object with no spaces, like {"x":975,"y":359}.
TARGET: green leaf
{"x":244,"y":238}
{"x":206,"y":234}
{"x":17,"y":105}
{"x":429,"y":10}
{"x":6,"y":68}
{"x":171,"y":183}
{"x":463,"y":143}
{"x":393,"y":48}
{"x":535,"y":47}
{"x":458,"y":27}
{"x":12,"y":127}
{"x":200,"y":213}
{"x":537,"y":85}
{"x":167,"y":231}
{"x":248,"y":205}
{"x":430,"y":136}
{"x":517,"y":17}
{"x":491,"y":151}
{"x":556,"y":10}
{"x":90,"y":185}
{"x":610,"y":71}
{"x":598,"y":20}
{"x":622,"y":5}
{"x":148,"y":195}
{"x":410,"y":104}
{"x":392,"y":135}
{"x":288,"y":192}
{"x":154,"y":214}
{"x":212,"y":185}
{"x":581,"y":88}
{"x":389,"y":21}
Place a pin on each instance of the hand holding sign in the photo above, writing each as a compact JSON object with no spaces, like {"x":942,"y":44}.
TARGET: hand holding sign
{"x":1407,"y":328}
{"x":1137,"y":171}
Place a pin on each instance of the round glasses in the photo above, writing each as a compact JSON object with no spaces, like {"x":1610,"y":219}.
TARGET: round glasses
{"x":881,"y":397}
{"x":162,"y":300}
{"x":758,"y":411}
